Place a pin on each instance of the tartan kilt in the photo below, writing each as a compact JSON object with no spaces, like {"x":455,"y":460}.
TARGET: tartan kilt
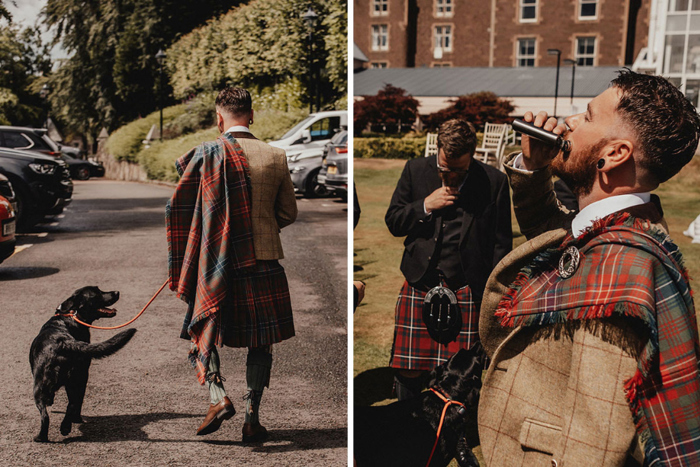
{"x":257,"y":310}
{"x":413,"y":348}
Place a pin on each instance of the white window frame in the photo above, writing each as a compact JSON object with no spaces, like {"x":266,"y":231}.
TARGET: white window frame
{"x":383,"y":6}
{"x":378,"y":65}
{"x":380,"y":31}
{"x":445,"y":32}
{"x":519,"y":57}
{"x":580,"y":10}
{"x":521,"y":7}
{"x":447,"y":7}
{"x":578,"y":56}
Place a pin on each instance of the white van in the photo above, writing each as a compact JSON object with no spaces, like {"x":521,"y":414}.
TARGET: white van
{"x":304,"y":145}
{"x":312,"y":132}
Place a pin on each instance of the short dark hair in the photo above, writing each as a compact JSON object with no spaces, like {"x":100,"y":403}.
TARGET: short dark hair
{"x":665,"y":122}
{"x":236,"y":101}
{"x":456,"y":138}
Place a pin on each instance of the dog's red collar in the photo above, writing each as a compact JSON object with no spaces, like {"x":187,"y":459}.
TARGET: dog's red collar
{"x":68,"y":313}
{"x":448,"y":401}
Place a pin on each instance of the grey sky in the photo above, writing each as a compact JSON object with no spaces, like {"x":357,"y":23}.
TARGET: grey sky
{"x":26,"y":13}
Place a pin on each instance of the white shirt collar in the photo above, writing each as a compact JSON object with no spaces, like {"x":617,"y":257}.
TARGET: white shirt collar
{"x":605,"y":207}
{"x":239,"y":129}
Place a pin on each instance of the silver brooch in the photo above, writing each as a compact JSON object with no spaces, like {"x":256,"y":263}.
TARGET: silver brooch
{"x":568,"y":263}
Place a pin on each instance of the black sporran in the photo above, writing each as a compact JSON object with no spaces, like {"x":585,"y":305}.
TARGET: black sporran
{"x":441,"y":315}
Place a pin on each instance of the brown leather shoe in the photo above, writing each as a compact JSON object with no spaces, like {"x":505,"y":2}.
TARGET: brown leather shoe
{"x":215,"y":416}
{"x":254,"y":433}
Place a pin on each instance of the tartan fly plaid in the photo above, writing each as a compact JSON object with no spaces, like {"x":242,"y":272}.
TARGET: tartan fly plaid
{"x":413,"y":348}
{"x":628,"y":269}
{"x":209,"y":232}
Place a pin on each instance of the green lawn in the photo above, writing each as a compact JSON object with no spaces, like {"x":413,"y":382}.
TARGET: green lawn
{"x":378,"y":256}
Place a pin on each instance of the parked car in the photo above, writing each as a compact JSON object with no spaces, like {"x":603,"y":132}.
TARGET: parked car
{"x":304,"y":145}
{"x":7,"y":192}
{"x":7,"y":219}
{"x":41,"y":184}
{"x":312,"y":132}
{"x":304,"y":168}
{"x":38,"y":140}
{"x":32,"y":139}
{"x":81,"y":169}
{"x":334,"y":171}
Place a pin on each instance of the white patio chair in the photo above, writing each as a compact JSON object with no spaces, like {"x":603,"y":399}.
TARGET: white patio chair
{"x":492,"y":145}
{"x":431,"y":148}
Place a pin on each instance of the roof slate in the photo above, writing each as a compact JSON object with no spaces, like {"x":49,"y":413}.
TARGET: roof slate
{"x":503,"y":81}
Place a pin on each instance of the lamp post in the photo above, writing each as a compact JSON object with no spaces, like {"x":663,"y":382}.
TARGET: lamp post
{"x":556,"y":52}
{"x":44,"y":94}
{"x":311,"y":18}
{"x":568,"y":61}
{"x":160,"y":57}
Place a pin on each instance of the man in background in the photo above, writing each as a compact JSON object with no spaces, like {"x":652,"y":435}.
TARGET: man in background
{"x":455,"y":214}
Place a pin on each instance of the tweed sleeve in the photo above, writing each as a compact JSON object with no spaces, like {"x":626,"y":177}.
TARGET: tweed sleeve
{"x":534,"y":201}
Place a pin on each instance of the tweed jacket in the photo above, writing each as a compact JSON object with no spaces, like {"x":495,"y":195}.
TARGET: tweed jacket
{"x":274,"y":204}
{"x":554,"y":396}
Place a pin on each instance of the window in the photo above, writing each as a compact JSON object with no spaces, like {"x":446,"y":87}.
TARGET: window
{"x":17,"y":141}
{"x":324,"y":128}
{"x":526,"y":52}
{"x":380,"y":37}
{"x":443,"y":8}
{"x":585,"y":51}
{"x":378,"y":65}
{"x":442,"y":65}
{"x":380,"y":7}
{"x":528,"y":11}
{"x":443,"y":38}
{"x":588,"y":9}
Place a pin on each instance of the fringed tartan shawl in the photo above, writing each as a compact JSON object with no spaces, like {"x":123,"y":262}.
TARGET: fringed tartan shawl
{"x":632,"y":270}
{"x":210,"y":237}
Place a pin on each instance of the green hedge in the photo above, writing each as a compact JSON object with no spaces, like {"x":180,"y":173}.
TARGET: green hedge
{"x":389,"y":148}
{"x":393,"y":147}
{"x":125,"y":143}
{"x":159,"y":159}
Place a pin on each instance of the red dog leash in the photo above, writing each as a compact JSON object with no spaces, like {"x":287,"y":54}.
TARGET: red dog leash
{"x":73,"y":314}
{"x":446,"y":399}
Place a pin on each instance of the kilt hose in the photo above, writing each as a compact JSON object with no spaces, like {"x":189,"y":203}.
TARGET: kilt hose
{"x":413,"y":348}
{"x":257,"y":310}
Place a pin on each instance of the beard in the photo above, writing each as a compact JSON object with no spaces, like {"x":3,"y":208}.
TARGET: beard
{"x":579,"y":171}
{"x":452,"y":180}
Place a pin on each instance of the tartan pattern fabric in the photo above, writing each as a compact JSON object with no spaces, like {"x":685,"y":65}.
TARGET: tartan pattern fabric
{"x":631,"y":271}
{"x":256,"y":312}
{"x":209,"y":234}
{"x":413,"y":348}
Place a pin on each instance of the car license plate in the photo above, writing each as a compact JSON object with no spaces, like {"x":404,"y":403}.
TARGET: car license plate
{"x":332,"y":169}
{"x":8,"y":228}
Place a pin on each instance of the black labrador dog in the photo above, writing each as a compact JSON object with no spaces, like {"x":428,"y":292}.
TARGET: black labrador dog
{"x":403,"y":433}
{"x":61,"y":354}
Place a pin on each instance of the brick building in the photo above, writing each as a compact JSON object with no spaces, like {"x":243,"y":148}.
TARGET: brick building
{"x":499,"y":33}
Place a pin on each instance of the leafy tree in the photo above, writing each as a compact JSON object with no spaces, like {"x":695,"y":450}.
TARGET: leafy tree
{"x":112,"y":76}
{"x":391,"y":110}
{"x":23,"y":59}
{"x":477,"y":108}
{"x":264,"y":46}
